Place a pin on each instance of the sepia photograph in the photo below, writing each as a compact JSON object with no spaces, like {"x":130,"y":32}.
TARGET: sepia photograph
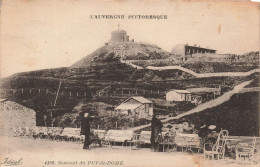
{"x":120,"y":83}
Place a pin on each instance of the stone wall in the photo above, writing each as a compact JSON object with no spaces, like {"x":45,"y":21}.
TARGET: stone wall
{"x":15,"y":115}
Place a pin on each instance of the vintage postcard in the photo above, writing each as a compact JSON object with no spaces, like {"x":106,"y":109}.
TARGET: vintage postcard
{"x":120,"y":83}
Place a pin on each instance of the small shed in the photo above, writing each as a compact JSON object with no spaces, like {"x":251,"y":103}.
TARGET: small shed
{"x":136,"y":106}
{"x":178,"y":95}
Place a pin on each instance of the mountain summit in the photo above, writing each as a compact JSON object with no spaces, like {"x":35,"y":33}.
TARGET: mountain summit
{"x":113,"y":52}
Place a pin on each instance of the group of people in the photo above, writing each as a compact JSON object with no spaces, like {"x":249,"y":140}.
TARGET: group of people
{"x":156,"y":126}
{"x":207,"y":134}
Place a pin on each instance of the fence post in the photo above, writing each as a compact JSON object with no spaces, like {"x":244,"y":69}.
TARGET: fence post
{"x":30,"y":90}
{"x":70,"y":93}
{"x":22,"y":90}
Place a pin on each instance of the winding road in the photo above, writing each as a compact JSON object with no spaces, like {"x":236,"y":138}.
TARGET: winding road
{"x":221,"y":99}
{"x":198,"y":75}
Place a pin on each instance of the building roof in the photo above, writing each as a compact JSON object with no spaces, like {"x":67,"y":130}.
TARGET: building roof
{"x":140,"y":99}
{"x":203,"y":89}
{"x":181,"y":91}
{"x":125,"y":106}
{"x":198,"y":47}
{"x":183,"y":45}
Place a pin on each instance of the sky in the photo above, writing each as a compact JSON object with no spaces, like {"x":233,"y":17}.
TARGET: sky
{"x":41,"y":34}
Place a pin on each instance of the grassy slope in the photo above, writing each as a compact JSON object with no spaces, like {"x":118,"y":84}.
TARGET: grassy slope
{"x":240,"y":115}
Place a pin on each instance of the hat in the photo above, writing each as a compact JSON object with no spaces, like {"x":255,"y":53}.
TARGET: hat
{"x":212,"y":127}
{"x":203,"y":126}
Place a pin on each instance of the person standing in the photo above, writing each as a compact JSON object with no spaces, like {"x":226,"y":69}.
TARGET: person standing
{"x":203,"y":132}
{"x":156,"y":126}
{"x":85,"y":129}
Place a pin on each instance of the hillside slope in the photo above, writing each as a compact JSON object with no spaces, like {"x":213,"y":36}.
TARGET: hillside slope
{"x":122,"y":50}
{"x":101,"y":77}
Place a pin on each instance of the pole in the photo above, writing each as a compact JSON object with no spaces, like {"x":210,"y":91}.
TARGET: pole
{"x":57,"y":94}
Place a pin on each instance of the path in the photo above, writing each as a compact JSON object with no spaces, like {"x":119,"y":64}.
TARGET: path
{"x":221,"y":99}
{"x":198,"y":75}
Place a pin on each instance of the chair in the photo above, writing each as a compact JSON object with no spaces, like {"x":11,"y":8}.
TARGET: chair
{"x":134,"y":142}
{"x":218,"y":149}
{"x":45,"y":131}
{"x":144,"y":138}
{"x":15,"y":131}
{"x":36,"y":132}
{"x":168,"y":140}
{"x":21,"y":132}
{"x":54,"y":133}
{"x":28,"y":132}
{"x":105,"y":140}
{"x":99,"y":135}
{"x":245,"y":151}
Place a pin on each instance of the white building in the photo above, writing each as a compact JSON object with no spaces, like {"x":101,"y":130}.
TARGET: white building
{"x":178,"y":95}
{"x":136,"y":106}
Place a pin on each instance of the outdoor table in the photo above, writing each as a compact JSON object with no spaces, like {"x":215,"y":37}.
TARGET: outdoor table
{"x":189,"y":138}
{"x":167,"y":142}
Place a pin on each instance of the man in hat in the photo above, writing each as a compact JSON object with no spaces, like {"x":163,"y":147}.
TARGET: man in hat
{"x":156,"y":126}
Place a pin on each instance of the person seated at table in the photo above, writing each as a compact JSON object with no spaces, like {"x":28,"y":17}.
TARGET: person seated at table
{"x":212,"y":135}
